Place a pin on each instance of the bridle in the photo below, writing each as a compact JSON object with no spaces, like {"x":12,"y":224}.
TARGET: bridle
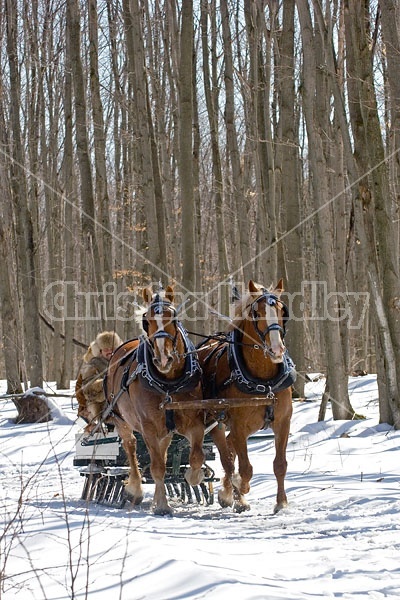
{"x":271,"y":300}
{"x":159,"y":306}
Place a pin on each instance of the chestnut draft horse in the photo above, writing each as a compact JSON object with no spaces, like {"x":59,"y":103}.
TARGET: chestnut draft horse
{"x":252,"y":364}
{"x":143,"y":376}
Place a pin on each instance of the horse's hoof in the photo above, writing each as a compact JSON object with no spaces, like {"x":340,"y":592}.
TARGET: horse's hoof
{"x":162,"y":512}
{"x":135,"y":500}
{"x":224,"y":502}
{"x":240,"y":507}
{"x":280,"y":506}
{"x":194,"y":477}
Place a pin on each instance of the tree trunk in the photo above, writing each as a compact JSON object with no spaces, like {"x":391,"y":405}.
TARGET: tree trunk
{"x":239,"y":199}
{"x":66,"y":373}
{"x":377,"y":211}
{"x":7,"y":302}
{"x":23,"y":218}
{"x":104,"y":225}
{"x":186,"y":150}
{"x":88,"y":215}
{"x":144,"y":165}
{"x":260,"y":75}
{"x":335,"y":368}
{"x":290,"y":195}
{"x":211,"y":96}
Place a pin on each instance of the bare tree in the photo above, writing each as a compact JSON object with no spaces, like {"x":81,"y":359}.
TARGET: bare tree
{"x":377,"y":211}
{"x":88,"y":215}
{"x":66,"y":372}
{"x":211,"y":89}
{"x":290,"y":189}
{"x":12,"y":353}
{"x":186,"y":147}
{"x":22,"y":213}
{"x":234,"y":159}
{"x":144,"y":163}
{"x":99,"y":141}
{"x":260,"y":40}
{"x":315,"y":115}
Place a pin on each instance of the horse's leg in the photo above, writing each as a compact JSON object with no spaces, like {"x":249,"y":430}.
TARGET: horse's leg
{"x":227,"y":457}
{"x":194,"y":474}
{"x":281,"y":433}
{"x":133,"y":486}
{"x":281,"y":427}
{"x":241,"y":480}
{"x":158,"y":457}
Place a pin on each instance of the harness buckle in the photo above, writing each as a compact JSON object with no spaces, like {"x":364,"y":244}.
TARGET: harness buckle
{"x":261,"y":388}
{"x":167,"y":400}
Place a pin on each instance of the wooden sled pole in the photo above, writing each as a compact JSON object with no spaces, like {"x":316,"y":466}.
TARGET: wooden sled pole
{"x":218,"y":403}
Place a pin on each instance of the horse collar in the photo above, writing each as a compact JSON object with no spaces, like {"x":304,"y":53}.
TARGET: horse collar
{"x":249,"y":384}
{"x":153,"y":380}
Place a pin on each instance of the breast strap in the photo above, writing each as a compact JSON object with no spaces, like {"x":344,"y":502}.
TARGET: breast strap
{"x":153,"y":380}
{"x":249,"y":384}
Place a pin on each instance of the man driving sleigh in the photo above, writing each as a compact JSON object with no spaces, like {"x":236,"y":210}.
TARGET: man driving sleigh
{"x":89,"y":384}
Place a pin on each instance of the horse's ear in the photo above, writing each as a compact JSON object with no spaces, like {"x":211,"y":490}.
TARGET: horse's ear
{"x":253,"y":289}
{"x":279,"y":287}
{"x":169,"y":293}
{"x":147,"y":295}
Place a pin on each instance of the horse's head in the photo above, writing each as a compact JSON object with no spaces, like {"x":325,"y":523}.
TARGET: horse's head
{"x":160,"y":324}
{"x":265,"y":317}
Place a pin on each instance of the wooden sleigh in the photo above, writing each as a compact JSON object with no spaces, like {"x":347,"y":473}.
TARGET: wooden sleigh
{"x":104,"y":466}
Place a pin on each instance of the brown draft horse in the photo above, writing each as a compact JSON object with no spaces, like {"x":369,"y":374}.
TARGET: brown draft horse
{"x":251,"y":362}
{"x":142,"y":377}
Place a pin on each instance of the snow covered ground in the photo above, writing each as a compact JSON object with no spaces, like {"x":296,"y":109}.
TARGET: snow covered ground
{"x":339,"y":538}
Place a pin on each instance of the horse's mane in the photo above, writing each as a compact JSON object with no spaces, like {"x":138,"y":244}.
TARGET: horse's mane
{"x":239,"y":307}
{"x":138,"y":315}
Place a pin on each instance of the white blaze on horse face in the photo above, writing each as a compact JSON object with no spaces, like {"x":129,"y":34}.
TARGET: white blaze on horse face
{"x":277,"y":346}
{"x":160,"y":342}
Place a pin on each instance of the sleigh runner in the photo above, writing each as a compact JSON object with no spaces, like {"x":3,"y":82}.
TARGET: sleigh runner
{"x":104,"y":466}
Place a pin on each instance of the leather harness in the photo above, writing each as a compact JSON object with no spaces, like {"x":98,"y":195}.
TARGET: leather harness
{"x":152,"y":380}
{"x":239,"y":375}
